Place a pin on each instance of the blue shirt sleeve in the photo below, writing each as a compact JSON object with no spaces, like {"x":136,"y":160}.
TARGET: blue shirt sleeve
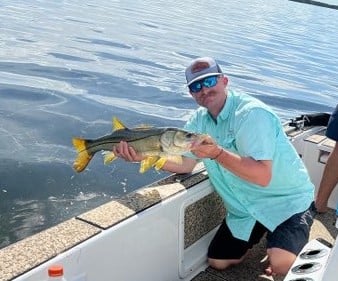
{"x":332,"y":128}
{"x":257,"y":134}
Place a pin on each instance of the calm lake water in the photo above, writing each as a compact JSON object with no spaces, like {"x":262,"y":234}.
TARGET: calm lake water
{"x":67,"y":67}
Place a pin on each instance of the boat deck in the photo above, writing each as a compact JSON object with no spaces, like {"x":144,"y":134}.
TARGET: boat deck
{"x":252,"y":268}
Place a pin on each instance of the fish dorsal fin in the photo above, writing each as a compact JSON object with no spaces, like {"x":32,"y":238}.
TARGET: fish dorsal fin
{"x":117,"y":124}
{"x":143,"y":127}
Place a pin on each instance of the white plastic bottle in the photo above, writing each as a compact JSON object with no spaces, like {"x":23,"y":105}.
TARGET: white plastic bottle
{"x":55,"y":273}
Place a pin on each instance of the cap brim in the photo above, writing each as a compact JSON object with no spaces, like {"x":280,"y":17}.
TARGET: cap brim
{"x":203,"y":76}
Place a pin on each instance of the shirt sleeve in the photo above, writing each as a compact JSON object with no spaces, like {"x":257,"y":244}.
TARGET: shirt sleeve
{"x":332,"y":127}
{"x":191,"y":125}
{"x":257,"y":134}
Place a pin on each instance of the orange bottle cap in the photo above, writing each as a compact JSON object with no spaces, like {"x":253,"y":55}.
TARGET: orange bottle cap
{"x":55,"y":270}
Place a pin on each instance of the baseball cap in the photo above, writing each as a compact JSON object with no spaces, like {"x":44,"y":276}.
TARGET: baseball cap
{"x":201,"y":68}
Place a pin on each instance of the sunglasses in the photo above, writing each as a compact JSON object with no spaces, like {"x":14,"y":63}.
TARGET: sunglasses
{"x":207,"y":82}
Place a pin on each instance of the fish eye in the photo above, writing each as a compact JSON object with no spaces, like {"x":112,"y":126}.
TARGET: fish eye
{"x":189,"y":135}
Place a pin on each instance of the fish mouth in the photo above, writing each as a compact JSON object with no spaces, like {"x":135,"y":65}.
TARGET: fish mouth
{"x":197,"y":141}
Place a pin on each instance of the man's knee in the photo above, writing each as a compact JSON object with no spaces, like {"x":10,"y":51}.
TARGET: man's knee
{"x":280,"y":260}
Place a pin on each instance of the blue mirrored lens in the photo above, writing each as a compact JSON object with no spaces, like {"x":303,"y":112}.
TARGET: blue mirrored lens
{"x":195,"y":87}
{"x":207,"y":82}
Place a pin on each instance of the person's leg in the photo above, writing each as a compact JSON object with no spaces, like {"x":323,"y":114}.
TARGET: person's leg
{"x":226,"y":250}
{"x":287,"y":240}
{"x":280,"y":261}
{"x":220,"y":264}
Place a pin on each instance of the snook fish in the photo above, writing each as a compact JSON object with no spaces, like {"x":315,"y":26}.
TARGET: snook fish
{"x":157,"y":144}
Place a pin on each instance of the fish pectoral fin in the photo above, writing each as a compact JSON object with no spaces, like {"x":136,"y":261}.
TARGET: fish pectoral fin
{"x":147,"y":163}
{"x":108,"y":157}
{"x":83,"y":156}
{"x":160,"y":163}
{"x":175,"y":158}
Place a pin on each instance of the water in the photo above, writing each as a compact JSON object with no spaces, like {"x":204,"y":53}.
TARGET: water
{"x":68,"y":67}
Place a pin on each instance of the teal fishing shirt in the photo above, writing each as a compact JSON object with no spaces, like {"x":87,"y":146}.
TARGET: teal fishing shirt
{"x":249,"y":128}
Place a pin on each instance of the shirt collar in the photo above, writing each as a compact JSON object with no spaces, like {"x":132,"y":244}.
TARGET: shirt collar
{"x":225,"y":112}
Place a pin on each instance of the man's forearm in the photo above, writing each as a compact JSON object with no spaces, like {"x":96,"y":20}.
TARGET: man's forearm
{"x":247,"y":168}
{"x":329,"y":178}
{"x":186,"y":166}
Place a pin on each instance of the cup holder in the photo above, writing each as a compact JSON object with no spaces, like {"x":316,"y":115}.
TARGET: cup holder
{"x":314,"y":254}
{"x":302,"y":279}
{"x":306,"y":268}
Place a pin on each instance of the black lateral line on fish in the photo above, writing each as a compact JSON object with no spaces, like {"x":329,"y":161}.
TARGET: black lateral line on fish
{"x":91,"y":145}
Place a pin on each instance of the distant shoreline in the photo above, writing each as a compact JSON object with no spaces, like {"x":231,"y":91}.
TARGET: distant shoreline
{"x":317,"y":3}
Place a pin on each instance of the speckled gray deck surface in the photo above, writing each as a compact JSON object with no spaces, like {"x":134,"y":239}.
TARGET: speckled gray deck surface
{"x":198,"y":220}
{"x":252,"y":268}
{"x":20,"y":257}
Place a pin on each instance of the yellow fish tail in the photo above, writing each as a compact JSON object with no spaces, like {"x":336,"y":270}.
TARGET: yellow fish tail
{"x":83,"y":156}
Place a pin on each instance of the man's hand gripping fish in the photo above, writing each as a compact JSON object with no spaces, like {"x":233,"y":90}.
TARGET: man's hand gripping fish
{"x":157,"y":145}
